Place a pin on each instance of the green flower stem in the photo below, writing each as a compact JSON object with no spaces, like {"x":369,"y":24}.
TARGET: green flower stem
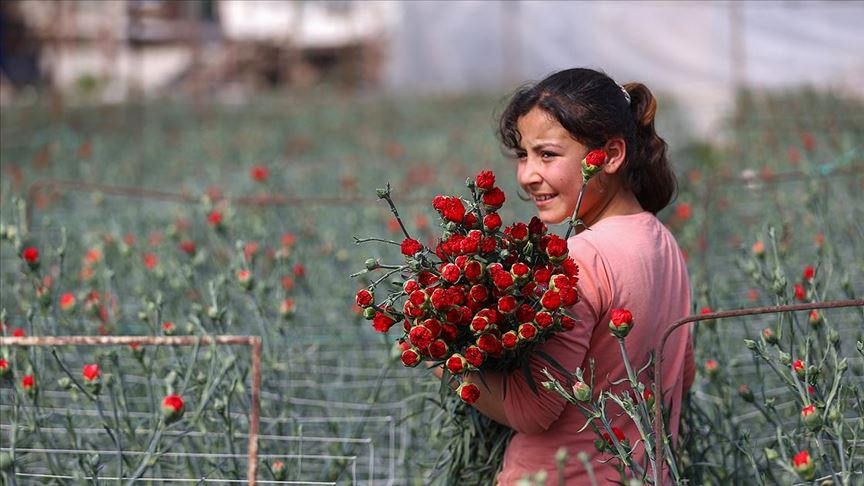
{"x":358,"y":241}
{"x":386,"y":197}
{"x":262,"y":325}
{"x":574,"y":218}
{"x":644,"y":417}
{"x":144,"y":464}
{"x":584,"y":459}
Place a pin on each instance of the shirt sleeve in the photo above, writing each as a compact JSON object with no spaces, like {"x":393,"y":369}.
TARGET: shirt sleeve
{"x":529,"y":412}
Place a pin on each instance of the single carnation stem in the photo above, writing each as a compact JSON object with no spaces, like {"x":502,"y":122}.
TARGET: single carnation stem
{"x":643,"y":407}
{"x":574,"y":218}
{"x":386,"y":197}
{"x":357,"y":241}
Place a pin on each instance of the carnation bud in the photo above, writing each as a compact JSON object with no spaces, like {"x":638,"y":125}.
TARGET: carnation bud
{"x":712,"y":367}
{"x":457,"y":364}
{"x":745,"y":393}
{"x":245,"y":279}
{"x":172,"y":408}
{"x":621,"y":323}
{"x":28,"y":384}
{"x":804,"y":465}
{"x":280,"y":471}
{"x":784,"y":358}
{"x":410,"y":357}
{"x":593,"y":163}
{"x":371,"y":264}
{"x":834,"y":337}
{"x":5,"y":369}
{"x":561,"y":455}
{"x":799,"y":368}
{"x":769,"y":336}
{"x":581,"y":391}
{"x":369,"y":313}
{"x":811,"y":418}
{"x":382,"y":193}
{"x":770,"y":454}
{"x":468,"y":392}
{"x":815,"y":318}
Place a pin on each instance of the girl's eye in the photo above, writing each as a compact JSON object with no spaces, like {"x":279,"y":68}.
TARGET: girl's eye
{"x":520,"y":156}
{"x":547,"y":155}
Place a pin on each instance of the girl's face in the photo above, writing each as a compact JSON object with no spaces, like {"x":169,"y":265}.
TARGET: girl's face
{"x":550,"y":166}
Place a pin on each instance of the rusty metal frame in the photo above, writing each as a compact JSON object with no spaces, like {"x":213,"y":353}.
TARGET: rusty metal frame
{"x":658,"y":352}
{"x":259,"y":201}
{"x":254,"y":342}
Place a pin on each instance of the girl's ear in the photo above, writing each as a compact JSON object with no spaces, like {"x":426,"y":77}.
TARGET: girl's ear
{"x":616,"y":153}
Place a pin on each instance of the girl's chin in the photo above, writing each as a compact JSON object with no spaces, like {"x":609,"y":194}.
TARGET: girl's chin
{"x":549,"y":218}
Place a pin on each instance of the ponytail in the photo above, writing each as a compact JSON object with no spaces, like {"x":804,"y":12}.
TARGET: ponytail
{"x":648,"y":173}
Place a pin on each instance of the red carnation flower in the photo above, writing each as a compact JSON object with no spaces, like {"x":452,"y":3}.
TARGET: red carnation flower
{"x":568,"y":323}
{"x":410,"y":357}
{"x":542,"y":275}
{"x":456,"y":364}
{"x":569,"y":267}
{"x":619,"y":434}
{"x":168,"y":328}
{"x":509,"y":340}
{"x":259,"y":173}
{"x":492,"y":222}
{"x":809,"y":272}
{"x":67,"y":302}
{"x":410,"y":286}
{"x":474,"y":356}
{"x":595,"y":158}
{"x":5,"y":370}
{"x":478,"y":293}
{"x":28,"y":383}
{"x":365,"y":298}
{"x":468,"y":392}
{"x":799,"y":368}
{"x":299,"y":270}
{"x":489,"y":344}
{"x":569,"y":297}
{"x":470,"y":220}
{"x":804,"y":465}
{"x":485,"y":180}
{"x":493,"y":199}
{"x":551,"y":300}
{"x":91,"y":372}
{"x":172,"y":408}
{"x":544,"y":319}
{"x":427,"y":279}
{"x":411,"y":247}
{"x":712,"y":367}
{"x":507,"y":304}
{"x":214,"y":219}
{"x":621,"y":323}
{"x":18,"y":332}
{"x":438,"y":349}
{"x":527,"y":332}
{"x":520,"y":271}
{"x":503,"y":281}
{"x":450,"y":208}
{"x":31,"y":256}
{"x":525,"y":313}
{"x":800,"y":293}
{"x":188,"y":247}
{"x":473,"y":271}
{"x":382,"y":322}
{"x":421,"y":337}
{"x":518,"y":232}
{"x":488,"y":245}
{"x":150,"y":261}
{"x":556,"y":249}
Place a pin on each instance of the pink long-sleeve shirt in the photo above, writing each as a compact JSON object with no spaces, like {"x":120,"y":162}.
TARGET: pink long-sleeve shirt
{"x":630,"y":262}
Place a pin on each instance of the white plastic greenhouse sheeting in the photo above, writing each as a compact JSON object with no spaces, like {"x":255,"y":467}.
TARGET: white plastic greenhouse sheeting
{"x":696,"y":50}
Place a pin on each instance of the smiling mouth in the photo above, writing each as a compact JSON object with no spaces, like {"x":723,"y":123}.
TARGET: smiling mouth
{"x":543,"y":197}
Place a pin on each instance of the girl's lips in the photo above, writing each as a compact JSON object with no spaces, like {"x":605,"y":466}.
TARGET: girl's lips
{"x":544,"y":200}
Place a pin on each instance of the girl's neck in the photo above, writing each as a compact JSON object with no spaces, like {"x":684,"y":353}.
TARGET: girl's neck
{"x":621,"y":203}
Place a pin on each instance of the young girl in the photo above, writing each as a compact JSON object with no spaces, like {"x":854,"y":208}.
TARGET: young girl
{"x":626,"y":257}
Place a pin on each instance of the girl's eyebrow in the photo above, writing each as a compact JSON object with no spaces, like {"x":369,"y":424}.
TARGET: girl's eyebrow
{"x":543,"y":145}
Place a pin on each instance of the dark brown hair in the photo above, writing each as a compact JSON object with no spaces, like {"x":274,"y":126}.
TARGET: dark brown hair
{"x":594,"y":109}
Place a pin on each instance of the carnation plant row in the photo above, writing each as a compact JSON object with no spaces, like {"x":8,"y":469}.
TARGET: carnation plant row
{"x":777,"y":398}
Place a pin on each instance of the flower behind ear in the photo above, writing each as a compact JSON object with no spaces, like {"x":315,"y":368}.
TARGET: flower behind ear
{"x":592,"y":163}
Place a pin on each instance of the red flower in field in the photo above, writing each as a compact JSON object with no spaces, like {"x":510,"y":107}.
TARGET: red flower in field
{"x":92,"y":256}
{"x":799,"y":368}
{"x":91,"y":372}
{"x":819,"y":239}
{"x":168,"y":328}
{"x":809,"y":272}
{"x":382,"y":322}
{"x":67,"y":302}
{"x":250,"y":250}
{"x":287,"y":282}
{"x":794,"y":155}
{"x":621,"y":323}
{"x":804,"y":465}
{"x":712,"y":367}
{"x":769,"y":336}
{"x":287,"y":308}
{"x":5,"y":370}
{"x":214,"y":219}
{"x":188,"y":247}
{"x":485,"y":180}
{"x":758,"y":249}
{"x":28,"y":383}
{"x":280,"y":472}
{"x":753,"y":295}
{"x":31,"y":256}
{"x":129,"y":239}
{"x":815,"y":318}
{"x":172,"y":408}
{"x":411,"y":247}
{"x":684,"y":211}
{"x":493,"y":199}
{"x":245,"y":279}
{"x":154,"y":238}
{"x":619,"y":434}
{"x":810,"y":417}
{"x":150,"y":261}
{"x":808,"y":141}
{"x":365,"y":298}
{"x":800,"y":293}
{"x":299,"y":270}
{"x":18,"y":332}
{"x":259,"y":173}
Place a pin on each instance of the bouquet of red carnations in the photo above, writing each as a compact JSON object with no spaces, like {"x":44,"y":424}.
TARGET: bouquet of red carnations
{"x":485,"y":296}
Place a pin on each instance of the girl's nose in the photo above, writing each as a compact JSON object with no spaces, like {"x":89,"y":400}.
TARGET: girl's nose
{"x":528,"y":175}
